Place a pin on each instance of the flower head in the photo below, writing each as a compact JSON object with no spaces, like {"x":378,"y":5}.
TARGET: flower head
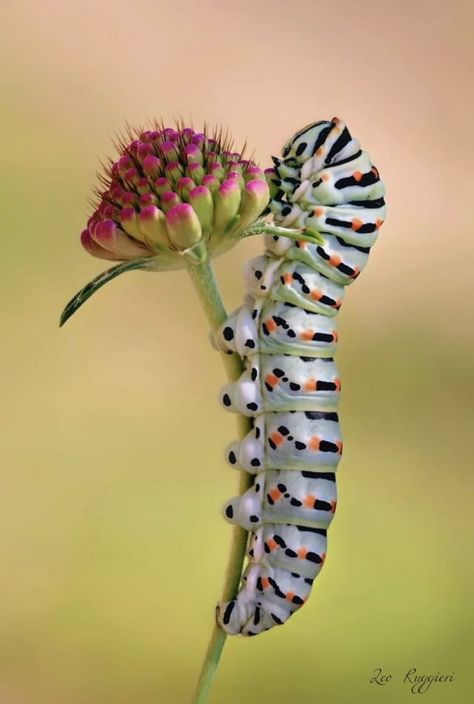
{"x":170,"y":189}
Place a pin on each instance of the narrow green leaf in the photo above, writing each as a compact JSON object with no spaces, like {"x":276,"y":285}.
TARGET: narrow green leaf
{"x":89,"y":289}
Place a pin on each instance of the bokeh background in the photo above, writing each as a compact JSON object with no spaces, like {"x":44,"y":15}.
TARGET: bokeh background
{"x":112,"y":545}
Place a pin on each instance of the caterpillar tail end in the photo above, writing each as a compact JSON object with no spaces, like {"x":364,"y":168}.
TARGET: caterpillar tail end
{"x":249,"y":614}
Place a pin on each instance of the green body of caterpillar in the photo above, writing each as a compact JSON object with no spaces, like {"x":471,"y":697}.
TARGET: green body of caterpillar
{"x":286,"y":333}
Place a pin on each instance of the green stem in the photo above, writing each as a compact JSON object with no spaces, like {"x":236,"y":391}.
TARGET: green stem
{"x":203,"y":279}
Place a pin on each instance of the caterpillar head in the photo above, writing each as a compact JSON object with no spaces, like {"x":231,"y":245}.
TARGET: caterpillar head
{"x":302,"y":145}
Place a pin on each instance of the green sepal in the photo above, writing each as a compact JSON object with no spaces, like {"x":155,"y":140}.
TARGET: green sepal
{"x":197,"y":253}
{"x":89,"y":289}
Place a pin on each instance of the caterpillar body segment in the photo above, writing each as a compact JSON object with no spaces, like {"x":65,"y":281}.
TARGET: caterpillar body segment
{"x":287,"y":336}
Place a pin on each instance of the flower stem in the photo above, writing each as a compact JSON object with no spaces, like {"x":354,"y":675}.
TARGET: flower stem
{"x":203,"y":279}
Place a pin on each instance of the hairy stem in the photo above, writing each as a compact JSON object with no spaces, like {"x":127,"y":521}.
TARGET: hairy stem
{"x":203,"y":279}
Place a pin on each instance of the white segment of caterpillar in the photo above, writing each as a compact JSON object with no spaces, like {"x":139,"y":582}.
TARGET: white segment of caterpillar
{"x":285,"y":332}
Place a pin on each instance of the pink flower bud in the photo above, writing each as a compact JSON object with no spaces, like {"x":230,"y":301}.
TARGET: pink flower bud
{"x":153,"y":226}
{"x":168,"y":200}
{"x":183,"y":224}
{"x":113,"y":239}
{"x":201,"y":200}
{"x":226,"y":204}
{"x":151,"y":165}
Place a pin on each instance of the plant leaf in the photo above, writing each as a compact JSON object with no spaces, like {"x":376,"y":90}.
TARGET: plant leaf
{"x":89,"y":289}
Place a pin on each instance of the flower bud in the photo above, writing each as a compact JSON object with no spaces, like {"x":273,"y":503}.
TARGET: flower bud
{"x":183,"y":225}
{"x":200,"y":199}
{"x":95,"y":249}
{"x":129,"y":221}
{"x":255,"y":197}
{"x":162,"y":185}
{"x":211,"y":182}
{"x":169,"y":199}
{"x":193,"y":154}
{"x":151,"y":165}
{"x":170,"y":150}
{"x":184,"y":184}
{"x":152,"y":224}
{"x":173,"y":170}
{"x":114,"y":240}
{"x":195,"y":171}
{"x":254,"y":172}
{"x":226,"y":202}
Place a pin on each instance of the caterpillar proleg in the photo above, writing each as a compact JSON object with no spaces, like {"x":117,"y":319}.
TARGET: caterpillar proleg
{"x":286,"y":333}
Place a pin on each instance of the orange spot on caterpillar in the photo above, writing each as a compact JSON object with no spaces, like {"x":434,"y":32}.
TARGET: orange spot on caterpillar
{"x":310,"y":385}
{"x":265,"y":582}
{"x":307,"y":335}
{"x":333,"y":506}
{"x":335,"y":336}
{"x":356,"y":273}
{"x":356,"y":224}
{"x":318,"y":212}
{"x":302,"y":552}
{"x":315,"y":295}
{"x":337,"y":382}
{"x":302,"y":244}
{"x":335,"y":120}
{"x":334,"y":261}
{"x":289,"y":596}
{"x":309,"y":500}
{"x":271,"y":380}
{"x":314,"y":443}
{"x":320,"y":151}
{"x":270,"y":325}
{"x":272,"y":545}
{"x":338,"y":444}
{"x":324,"y":177}
{"x":287,"y":278}
{"x":357,"y":175}
{"x":277,"y":438}
{"x":378,"y":224}
{"x":274,"y":494}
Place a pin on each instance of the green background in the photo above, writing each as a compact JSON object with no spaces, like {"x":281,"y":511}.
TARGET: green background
{"x":112,"y":544}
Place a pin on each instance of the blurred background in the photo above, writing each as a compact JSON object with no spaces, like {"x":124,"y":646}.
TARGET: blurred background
{"x":111,"y":541}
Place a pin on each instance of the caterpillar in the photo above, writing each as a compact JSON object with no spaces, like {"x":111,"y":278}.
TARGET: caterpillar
{"x":286,"y":334}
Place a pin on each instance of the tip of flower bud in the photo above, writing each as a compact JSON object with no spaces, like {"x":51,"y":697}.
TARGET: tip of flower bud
{"x":169,"y":199}
{"x":112,"y":238}
{"x":95,"y":249}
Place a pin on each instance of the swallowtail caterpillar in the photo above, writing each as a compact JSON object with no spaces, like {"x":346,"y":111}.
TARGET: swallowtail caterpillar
{"x":286,"y":332}
{"x":177,"y":195}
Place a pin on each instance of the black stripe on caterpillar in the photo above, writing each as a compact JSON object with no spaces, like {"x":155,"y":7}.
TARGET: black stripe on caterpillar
{"x":286,"y":333}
